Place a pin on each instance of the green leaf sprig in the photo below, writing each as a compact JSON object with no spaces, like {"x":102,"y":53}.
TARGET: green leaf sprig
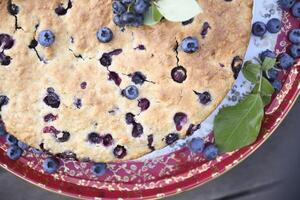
{"x":172,"y":10}
{"x":238,"y":126}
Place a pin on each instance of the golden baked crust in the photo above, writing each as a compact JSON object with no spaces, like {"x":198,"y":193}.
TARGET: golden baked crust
{"x":26,"y":79}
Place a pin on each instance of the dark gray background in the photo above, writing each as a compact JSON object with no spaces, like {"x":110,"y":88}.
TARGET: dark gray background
{"x":269,"y":173}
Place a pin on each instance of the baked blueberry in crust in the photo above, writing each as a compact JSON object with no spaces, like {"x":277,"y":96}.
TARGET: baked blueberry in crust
{"x":121,"y":93}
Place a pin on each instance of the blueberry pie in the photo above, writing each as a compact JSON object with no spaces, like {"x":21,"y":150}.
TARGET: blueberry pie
{"x":74,"y":80}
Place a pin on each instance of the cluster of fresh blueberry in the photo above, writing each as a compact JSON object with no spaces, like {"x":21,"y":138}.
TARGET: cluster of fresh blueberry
{"x":273,"y":73}
{"x":285,"y":60}
{"x":294,"y":36}
{"x":210,"y":151}
{"x":274,"y":25}
{"x":260,"y":28}
{"x":291,"y":4}
{"x":15,"y":148}
{"x":129,"y":12}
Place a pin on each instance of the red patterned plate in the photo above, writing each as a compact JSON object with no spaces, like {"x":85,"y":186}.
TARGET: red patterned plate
{"x":164,"y":175}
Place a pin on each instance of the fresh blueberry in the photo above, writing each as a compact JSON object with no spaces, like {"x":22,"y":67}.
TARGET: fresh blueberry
{"x":50,"y":165}
{"x":286,"y":61}
{"x":179,"y":74}
{"x":120,"y":151}
{"x":14,"y":152}
{"x":131,"y":92}
{"x":286,"y":4}
{"x":144,"y":104}
{"x":210,"y":152}
{"x":294,"y":36}
{"x":6,"y":41}
{"x":141,"y":6}
{"x":128,"y":18}
{"x":99,"y":169}
{"x":180,"y":119}
{"x":272,"y":74}
{"x":204,"y":98}
{"x":52,"y":99}
{"x":118,"y":7}
{"x":259,"y":29}
{"x":295,"y":51}
{"x":274,"y":25}
{"x":296,"y":10}
{"x":118,"y":21}
{"x":137,"y":130}
{"x":196,"y":145}
{"x":171,"y":138}
{"x":277,"y":85}
{"x":94,"y":138}
{"x":11,"y":140}
{"x":3,"y":101}
{"x":4,"y":59}
{"x":22,"y":145}
{"x":138,"y":78}
{"x":190,"y":44}
{"x":107,"y":140}
{"x":104,"y":35}
{"x":46,"y":38}
{"x":267,"y":53}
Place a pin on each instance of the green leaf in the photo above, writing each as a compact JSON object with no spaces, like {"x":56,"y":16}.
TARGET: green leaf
{"x":238,"y":126}
{"x":178,"y":10}
{"x":266,"y":92}
{"x":152,"y":16}
{"x":268,"y":63}
{"x":251,"y":71}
